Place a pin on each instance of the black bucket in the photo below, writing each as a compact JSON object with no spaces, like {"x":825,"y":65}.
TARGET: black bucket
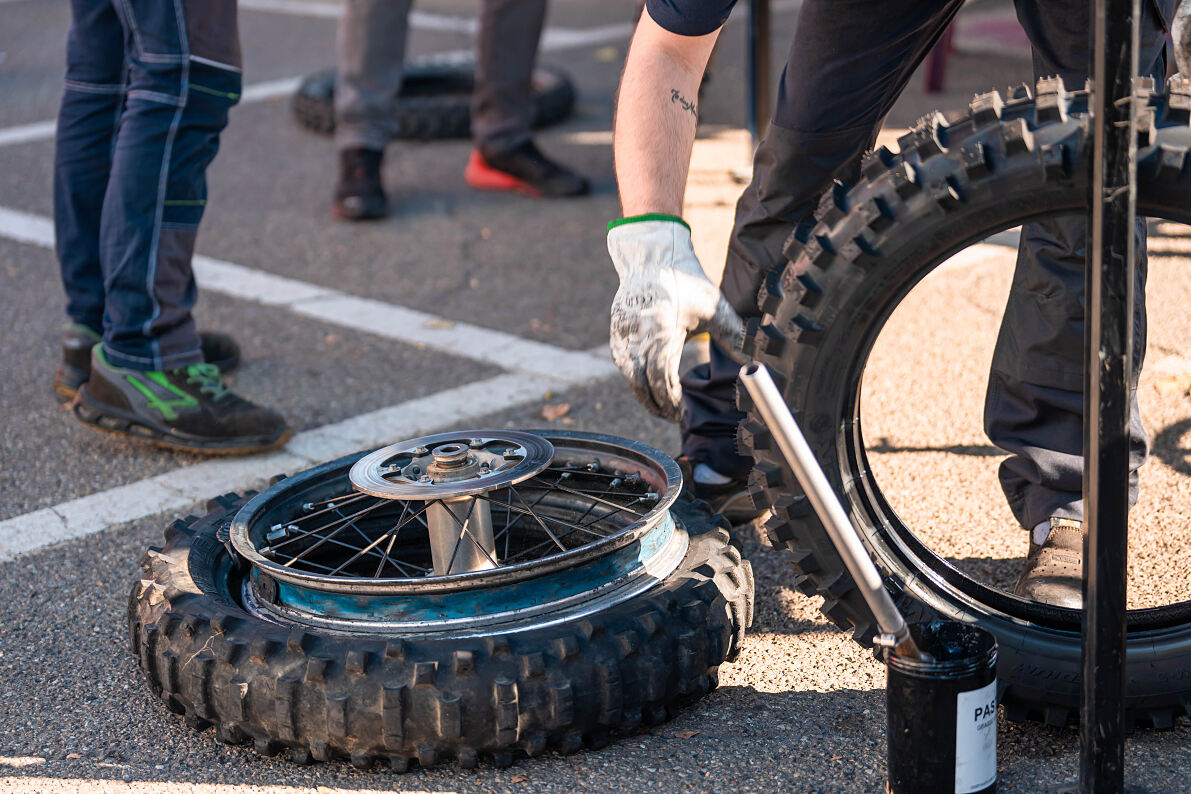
{"x":942,"y":714}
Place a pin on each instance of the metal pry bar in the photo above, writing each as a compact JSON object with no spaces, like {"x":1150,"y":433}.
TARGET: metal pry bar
{"x":802,"y":462}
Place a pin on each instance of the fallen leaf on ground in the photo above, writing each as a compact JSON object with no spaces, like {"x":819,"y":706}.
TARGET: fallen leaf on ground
{"x":520,"y":777}
{"x":74,"y":755}
{"x":554,"y":411}
{"x":685,"y":734}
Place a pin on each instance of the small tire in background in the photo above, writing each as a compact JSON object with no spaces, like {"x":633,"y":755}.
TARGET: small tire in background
{"x":435,"y":100}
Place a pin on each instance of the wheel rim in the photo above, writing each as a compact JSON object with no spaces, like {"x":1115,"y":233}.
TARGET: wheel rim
{"x":899,"y":540}
{"x":575,"y":521}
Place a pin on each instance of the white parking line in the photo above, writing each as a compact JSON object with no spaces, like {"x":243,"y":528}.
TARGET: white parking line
{"x":23,"y":133}
{"x":181,"y":487}
{"x":399,"y":323}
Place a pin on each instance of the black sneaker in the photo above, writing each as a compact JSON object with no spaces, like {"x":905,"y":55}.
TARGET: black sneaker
{"x":77,"y":341}
{"x":360,"y":196}
{"x":730,"y":499}
{"x":523,"y":170}
{"x":188,"y":408}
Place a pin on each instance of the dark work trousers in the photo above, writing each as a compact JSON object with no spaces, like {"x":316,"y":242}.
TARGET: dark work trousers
{"x":148,"y":87}
{"x":371,"y":61}
{"x":848,"y":62}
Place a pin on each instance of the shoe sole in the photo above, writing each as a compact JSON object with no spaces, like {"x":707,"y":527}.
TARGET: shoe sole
{"x":340,"y":215}
{"x":108,"y":420}
{"x":488,"y":179}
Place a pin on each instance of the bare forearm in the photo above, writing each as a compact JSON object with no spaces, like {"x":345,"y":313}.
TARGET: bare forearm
{"x":656,"y":115}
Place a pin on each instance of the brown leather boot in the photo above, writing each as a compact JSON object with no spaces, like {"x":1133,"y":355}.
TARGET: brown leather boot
{"x":1053,"y":573}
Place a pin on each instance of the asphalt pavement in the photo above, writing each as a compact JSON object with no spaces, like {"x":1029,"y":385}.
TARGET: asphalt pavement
{"x":510,"y":298}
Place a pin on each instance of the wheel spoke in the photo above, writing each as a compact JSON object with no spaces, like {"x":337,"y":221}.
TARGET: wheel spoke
{"x":365,"y":534}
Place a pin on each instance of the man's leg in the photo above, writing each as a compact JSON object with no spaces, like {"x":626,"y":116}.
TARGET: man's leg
{"x":370,"y":56}
{"x":848,"y":63}
{"x":1034,"y":404}
{"x":148,"y":377}
{"x":502,"y":107}
{"x":92,"y":101}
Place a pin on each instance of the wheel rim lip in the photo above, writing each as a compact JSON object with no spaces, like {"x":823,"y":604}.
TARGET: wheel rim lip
{"x":647,"y":456}
{"x":631,"y":571}
{"x":895,"y":538}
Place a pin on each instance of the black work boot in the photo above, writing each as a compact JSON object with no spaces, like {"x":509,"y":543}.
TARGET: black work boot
{"x":1053,"y":572}
{"x":360,"y":196}
{"x":523,"y":170}
{"x":77,"y":341}
{"x":730,"y":499}
{"x":188,"y":408}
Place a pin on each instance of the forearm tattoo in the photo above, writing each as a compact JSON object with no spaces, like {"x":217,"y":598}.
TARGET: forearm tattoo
{"x":681,"y":101}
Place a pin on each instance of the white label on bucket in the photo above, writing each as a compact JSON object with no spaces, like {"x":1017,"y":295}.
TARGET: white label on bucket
{"x":976,"y":739}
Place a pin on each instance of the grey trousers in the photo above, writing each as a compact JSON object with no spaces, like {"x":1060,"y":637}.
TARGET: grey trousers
{"x":371,"y":58}
{"x":848,"y":62}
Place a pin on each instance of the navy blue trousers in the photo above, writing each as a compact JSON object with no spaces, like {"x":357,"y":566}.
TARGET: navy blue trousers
{"x":148,"y":87}
{"x":848,"y":63}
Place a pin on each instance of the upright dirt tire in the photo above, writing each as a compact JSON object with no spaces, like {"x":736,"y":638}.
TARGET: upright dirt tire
{"x":1009,"y":161}
{"x":435,"y":100}
{"x":326,"y":693}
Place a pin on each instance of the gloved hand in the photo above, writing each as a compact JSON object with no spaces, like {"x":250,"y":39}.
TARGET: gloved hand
{"x":663,"y":300}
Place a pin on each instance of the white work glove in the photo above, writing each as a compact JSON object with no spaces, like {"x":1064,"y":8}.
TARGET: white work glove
{"x":663,"y":300}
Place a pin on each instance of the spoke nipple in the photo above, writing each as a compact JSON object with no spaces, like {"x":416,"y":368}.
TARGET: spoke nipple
{"x":651,"y":497}
{"x":330,"y":505}
{"x":593,"y":466}
{"x":307,"y":506}
{"x":511,"y":453}
{"x":566,"y":475}
{"x":616,"y":483}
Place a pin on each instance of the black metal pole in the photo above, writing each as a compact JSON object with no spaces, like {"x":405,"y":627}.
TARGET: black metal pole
{"x":758,"y":69}
{"x":1109,"y":344}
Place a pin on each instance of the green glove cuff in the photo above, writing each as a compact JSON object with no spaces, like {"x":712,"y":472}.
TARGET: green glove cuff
{"x":649,"y":216}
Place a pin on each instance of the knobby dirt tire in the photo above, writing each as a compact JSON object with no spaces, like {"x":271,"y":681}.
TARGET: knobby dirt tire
{"x":435,"y":100}
{"x":1009,"y":161}
{"x":369,"y":698}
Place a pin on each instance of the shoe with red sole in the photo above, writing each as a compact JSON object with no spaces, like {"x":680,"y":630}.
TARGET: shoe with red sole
{"x":523,"y":170}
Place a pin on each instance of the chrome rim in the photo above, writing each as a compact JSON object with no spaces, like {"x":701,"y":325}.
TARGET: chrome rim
{"x":574,"y":519}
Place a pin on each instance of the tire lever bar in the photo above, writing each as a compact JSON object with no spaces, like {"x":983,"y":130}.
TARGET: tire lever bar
{"x":844,"y":536}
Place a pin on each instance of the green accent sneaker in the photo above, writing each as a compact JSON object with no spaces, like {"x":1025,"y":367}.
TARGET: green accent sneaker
{"x":189,"y":408}
{"x":77,"y":341}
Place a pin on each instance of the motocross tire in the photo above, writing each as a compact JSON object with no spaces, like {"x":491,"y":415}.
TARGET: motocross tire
{"x":435,"y":100}
{"x":325,"y":694}
{"x":1009,"y":161}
